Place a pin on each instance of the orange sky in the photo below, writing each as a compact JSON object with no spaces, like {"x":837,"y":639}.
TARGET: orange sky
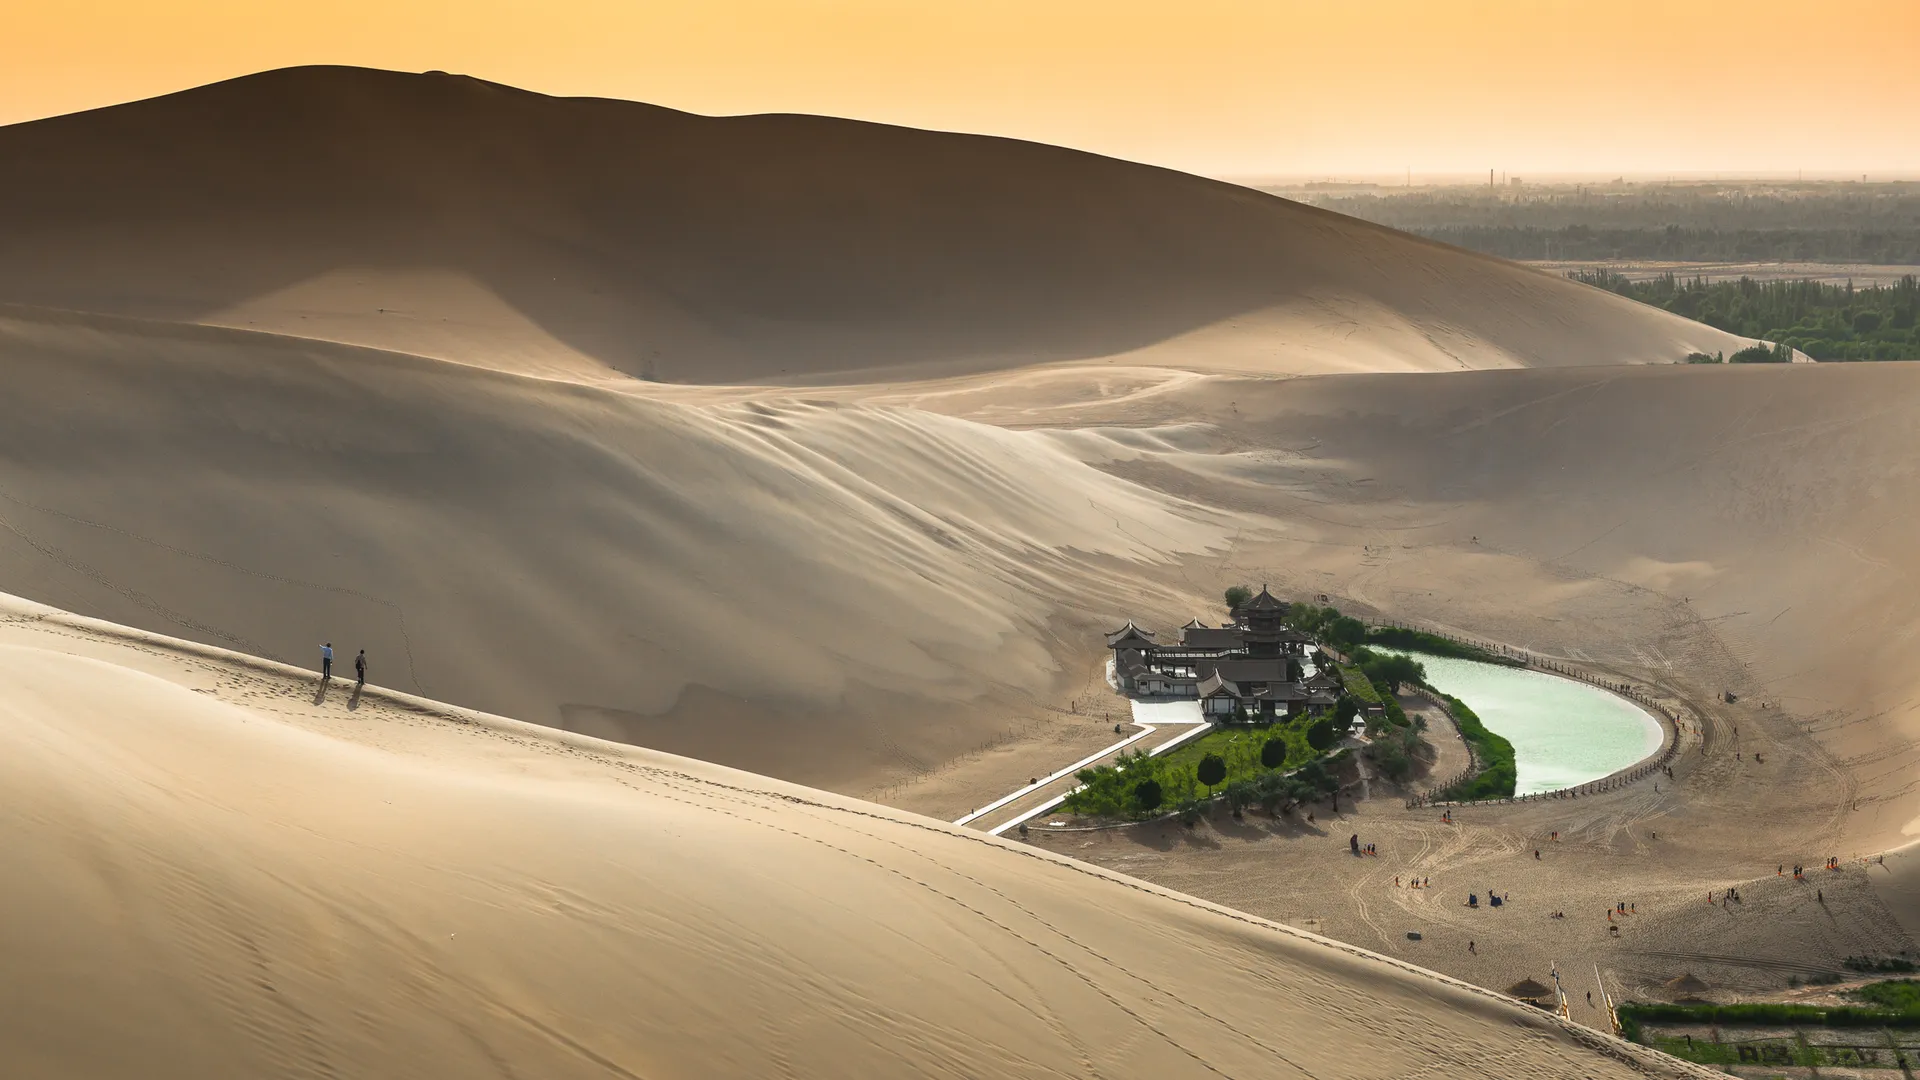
{"x":1224,"y":87}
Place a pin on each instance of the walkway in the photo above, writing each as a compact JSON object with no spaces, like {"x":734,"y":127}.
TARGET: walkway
{"x":1163,"y":726}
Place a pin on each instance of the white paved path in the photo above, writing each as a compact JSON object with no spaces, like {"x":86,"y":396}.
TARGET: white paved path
{"x":1150,"y":715}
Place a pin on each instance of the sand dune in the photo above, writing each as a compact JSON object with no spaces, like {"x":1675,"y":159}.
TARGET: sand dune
{"x":211,"y":873}
{"x":338,"y":203}
{"x":836,"y":593}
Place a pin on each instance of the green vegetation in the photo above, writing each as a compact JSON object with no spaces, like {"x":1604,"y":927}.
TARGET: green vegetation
{"x":1312,"y":620}
{"x":1762,"y":354}
{"x":1357,"y":684}
{"x":1762,"y":1013}
{"x":1321,"y":734}
{"x":1344,"y":632}
{"x":1388,"y":672}
{"x":1497,"y":773}
{"x":1885,"y":963}
{"x":1392,"y":750}
{"x":1148,"y":796}
{"x":1273,"y":753}
{"x":1237,"y":595}
{"x":1900,"y":995}
{"x":1212,"y":771}
{"x":1138,"y":785}
{"x":1395,"y":637}
{"x":1827,"y":322}
{"x":1893,"y":1005}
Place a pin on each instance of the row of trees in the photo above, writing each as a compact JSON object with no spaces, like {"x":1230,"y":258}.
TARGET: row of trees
{"x":1580,"y":243}
{"x":1820,"y":222}
{"x":1827,"y":322}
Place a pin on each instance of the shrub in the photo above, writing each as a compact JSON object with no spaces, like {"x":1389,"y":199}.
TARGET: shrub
{"x":1273,"y":753}
{"x":1237,"y":595}
{"x":1703,"y":358}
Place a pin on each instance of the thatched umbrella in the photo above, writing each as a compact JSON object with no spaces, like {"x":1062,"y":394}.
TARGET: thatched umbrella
{"x":1686,"y":986}
{"x":1528,"y":989}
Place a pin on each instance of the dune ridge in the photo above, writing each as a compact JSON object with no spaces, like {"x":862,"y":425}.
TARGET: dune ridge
{"x":446,"y":215}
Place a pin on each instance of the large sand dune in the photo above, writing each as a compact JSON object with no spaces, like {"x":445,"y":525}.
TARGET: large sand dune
{"x":210,"y":873}
{"x":470,"y":221}
{"x":1049,"y":391}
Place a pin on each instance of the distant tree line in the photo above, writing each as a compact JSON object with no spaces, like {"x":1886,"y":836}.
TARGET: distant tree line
{"x":1673,"y":243}
{"x":1728,"y":222}
{"x":1827,"y":322}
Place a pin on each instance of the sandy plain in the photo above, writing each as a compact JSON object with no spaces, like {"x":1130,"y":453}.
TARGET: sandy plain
{"x":824,"y":451}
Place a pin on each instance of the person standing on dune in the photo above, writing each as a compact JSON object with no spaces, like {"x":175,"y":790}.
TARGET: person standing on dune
{"x":360,"y":670}
{"x":326,"y":661}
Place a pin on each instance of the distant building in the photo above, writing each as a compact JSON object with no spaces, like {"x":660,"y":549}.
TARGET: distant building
{"x":1249,"y":670}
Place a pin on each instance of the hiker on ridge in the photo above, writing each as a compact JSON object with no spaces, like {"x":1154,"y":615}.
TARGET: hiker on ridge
{"x":360,"y":669}
{"x":326,"y":661}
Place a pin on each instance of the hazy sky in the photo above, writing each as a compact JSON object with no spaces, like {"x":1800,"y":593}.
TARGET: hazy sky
{"x":1223,"y":87}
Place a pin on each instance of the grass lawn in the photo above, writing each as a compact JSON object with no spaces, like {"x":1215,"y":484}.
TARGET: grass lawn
{"x":1240,"y":747}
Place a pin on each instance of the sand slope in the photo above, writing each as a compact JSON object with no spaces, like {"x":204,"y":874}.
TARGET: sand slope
{"x":475,"y":222}
{"x":209,"y":873}
{"x":835,"y":592}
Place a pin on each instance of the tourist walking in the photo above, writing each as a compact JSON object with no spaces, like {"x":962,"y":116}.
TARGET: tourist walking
{"x":360,"y":669}
{"x":326,"y":661}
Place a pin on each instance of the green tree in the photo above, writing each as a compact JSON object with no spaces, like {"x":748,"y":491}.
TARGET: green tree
{"x":1393,"y":671}
{"x":1212,"y":770}
{"x":1148,"y":796}
{"x":1273,"y":753}
{"x":1237,"y":595}
{"x":1345,"y":709}
{"x":1345,"y":631}
{"x":1321,"y":735}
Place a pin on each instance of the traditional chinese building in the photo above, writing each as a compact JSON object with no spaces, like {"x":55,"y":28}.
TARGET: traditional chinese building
{"x":1252,"y":669}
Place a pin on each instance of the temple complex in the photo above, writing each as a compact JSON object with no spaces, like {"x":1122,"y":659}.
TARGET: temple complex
{"x":1250,"y":670}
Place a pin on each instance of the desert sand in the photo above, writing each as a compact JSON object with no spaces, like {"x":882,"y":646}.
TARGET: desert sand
{"x":825,"y":450}
{"x":215,"y":870}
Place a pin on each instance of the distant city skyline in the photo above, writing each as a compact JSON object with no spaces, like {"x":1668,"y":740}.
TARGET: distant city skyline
{"x":1245,"y":89}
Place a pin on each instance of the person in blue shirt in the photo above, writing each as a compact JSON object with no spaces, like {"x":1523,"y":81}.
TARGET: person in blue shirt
{"x":326,"y":661}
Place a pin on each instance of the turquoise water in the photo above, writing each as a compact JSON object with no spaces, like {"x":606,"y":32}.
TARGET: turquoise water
{"x":1563,"y":732}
